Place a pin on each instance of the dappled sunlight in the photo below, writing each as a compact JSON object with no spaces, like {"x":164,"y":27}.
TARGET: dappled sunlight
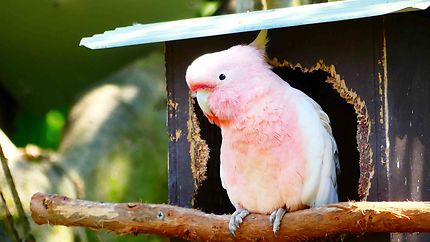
{"x":116,"y":177}
{"x":93,"y":114}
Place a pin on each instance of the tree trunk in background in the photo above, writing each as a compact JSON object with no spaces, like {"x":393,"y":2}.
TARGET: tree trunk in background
{"x":116,"y":137}
{"x":113,"y":149}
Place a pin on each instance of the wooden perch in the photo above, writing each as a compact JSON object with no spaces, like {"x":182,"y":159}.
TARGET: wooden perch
{"x":191,"y":224}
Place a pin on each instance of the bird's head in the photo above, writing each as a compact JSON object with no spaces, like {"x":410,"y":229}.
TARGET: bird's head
{"x":227,"y":71}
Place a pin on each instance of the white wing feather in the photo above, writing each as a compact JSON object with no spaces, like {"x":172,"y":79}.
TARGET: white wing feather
{"x":320,"y":185}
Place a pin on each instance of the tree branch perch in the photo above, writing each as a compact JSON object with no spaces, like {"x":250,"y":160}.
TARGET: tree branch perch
{"x":191,"y":224}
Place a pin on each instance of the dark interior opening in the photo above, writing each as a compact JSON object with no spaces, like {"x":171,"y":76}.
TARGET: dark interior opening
{"x":212,"y":198}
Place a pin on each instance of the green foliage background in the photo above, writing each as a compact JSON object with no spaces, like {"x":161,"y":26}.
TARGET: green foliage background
{"x":42,"y":65}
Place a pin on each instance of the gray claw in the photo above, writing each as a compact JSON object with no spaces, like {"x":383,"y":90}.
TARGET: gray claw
{"x":236,"y":219}
{"x":276,"y":218}
{"x":272,"y":217}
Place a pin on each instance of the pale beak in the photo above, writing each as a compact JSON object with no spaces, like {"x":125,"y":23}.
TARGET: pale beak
{"x":202,"y":99}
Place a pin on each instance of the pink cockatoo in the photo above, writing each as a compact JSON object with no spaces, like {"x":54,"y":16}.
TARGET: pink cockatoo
{"x":278,"y":153}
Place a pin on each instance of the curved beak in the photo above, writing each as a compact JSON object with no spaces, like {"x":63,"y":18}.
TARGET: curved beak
{"x":202,"y":99}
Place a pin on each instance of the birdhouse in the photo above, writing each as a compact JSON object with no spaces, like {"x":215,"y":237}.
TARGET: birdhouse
{"x":367,"y":63}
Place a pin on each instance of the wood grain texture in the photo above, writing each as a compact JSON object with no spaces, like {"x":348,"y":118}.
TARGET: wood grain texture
{"x":191,"y":224}
{"x":408,"y":108}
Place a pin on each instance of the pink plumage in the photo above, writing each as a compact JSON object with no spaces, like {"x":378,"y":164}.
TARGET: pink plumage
{"x":277,"y":147}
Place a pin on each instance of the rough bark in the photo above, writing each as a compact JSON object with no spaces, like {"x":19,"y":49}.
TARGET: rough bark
{"x":191,"y":224}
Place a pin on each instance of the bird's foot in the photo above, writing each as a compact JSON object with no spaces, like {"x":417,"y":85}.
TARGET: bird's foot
{"x":276,"y":218}
{"x":236,"y":219}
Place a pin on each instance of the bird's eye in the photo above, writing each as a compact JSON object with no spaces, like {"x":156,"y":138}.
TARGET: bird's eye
{"x":221,"y":77}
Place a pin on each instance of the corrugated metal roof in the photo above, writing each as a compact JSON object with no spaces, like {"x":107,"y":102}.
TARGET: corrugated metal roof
{"x":250,"y":21}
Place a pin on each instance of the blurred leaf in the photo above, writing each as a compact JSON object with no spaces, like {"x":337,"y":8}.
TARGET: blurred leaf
{"x":43,"y":130}
{"x":55,"y":121}
{"x":209,"y":8}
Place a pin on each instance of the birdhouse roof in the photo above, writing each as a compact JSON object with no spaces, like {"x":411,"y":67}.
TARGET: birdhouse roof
{"x":250,"y":21}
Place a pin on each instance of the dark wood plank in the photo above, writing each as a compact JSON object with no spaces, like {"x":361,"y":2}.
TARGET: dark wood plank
{"x":408,"y":52}
{"x":180,"y":179}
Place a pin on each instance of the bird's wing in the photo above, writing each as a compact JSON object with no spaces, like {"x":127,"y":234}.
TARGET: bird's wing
{"x":326,"y":123}
{"x":320,"y":187}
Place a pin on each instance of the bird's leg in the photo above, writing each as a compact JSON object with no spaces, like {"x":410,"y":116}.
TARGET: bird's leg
{"x":236,"y":219}
{"x":276,"y":218}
